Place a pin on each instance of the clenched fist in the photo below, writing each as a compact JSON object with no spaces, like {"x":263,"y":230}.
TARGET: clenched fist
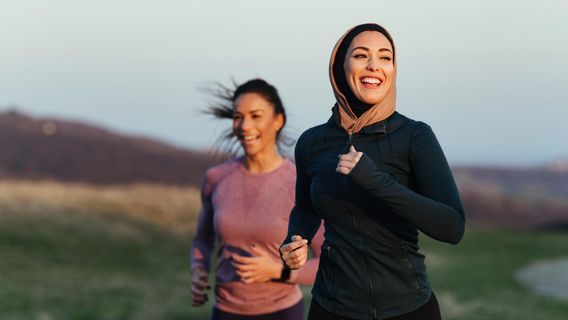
{"x":295,"y":253}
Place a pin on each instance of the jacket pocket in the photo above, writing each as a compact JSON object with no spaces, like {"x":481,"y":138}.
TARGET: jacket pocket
{"x":327,"y":272}
{"x":408,"y":267}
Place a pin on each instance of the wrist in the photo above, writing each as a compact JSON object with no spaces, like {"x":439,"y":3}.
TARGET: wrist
{"x":198,"y":268}
{"x":284,"y":273}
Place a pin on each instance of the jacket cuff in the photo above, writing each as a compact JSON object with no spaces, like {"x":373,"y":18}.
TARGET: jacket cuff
{"x":366,"y":172}
{"x":362,"y":170}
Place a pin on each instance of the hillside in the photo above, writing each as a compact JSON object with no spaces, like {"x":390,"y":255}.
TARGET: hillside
{"x":51,"y":149}
{"x":522,"y":198}
{"x":43,"y":148}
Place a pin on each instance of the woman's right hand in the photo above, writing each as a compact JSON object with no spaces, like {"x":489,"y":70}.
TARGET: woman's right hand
{"x":199,"y":286}
{"x":295,"y":253}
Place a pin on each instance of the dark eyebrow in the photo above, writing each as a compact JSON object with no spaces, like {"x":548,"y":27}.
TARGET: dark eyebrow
{"x":251,"y":111}
{"x":367,"y":49}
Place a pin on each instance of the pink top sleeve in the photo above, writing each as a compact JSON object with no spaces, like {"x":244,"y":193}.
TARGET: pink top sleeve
{"x":204,"y":240}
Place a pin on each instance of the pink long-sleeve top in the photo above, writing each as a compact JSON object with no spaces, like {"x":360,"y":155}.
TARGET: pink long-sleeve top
{"x":240,"y":209}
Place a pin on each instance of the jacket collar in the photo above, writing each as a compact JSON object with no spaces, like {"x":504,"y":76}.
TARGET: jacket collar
{"x":385,"y":126}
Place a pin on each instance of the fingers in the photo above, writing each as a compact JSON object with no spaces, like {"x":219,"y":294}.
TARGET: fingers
{"x":351,"y":156}
{"x":200,"y":280}
{"x":289,"y":247}
{"x":350,"y":164}
{"x":297,"y":258}
{"x":241,"y":259}
{"x":243,"y":267}
{"x":297,"y":264}
{"x":345,"y":167}
{"x":201,"y":285}
{"x":197,"y":301}
{"x":295,"y":252}
{"x":346,"y":158}
{"x":198,"y":296}
{"x":203,"y":280}
{"x":245,"y":274}
{"x":348,"y":161}
{"x":198,"y":292}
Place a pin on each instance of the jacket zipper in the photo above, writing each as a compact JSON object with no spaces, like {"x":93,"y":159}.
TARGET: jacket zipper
{"x":361,"y":249}
{"x":365,"y":263}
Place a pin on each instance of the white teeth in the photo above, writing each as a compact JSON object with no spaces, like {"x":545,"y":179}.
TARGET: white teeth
{"x":371,"y":80}
{"x":249,"y":138}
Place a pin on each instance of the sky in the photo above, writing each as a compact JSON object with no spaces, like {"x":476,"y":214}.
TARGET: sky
{"x":488,"y":76}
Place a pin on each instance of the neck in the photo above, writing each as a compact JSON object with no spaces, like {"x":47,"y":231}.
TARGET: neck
{"x":263,"y":162}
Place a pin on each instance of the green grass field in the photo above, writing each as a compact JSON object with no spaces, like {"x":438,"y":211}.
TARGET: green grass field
{"x":80,"y":252}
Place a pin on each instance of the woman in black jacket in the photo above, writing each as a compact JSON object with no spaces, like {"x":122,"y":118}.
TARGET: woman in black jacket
{"x":376,"y":177}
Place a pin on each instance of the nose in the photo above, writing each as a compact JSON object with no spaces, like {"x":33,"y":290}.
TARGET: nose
{"x":245,"y":123}
{"x":373,"y":65}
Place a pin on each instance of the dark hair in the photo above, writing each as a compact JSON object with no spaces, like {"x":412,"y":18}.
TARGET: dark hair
{"x":224,"y":107}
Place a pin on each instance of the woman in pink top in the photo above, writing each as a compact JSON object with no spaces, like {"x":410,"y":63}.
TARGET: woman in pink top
{"x":246,"y":204}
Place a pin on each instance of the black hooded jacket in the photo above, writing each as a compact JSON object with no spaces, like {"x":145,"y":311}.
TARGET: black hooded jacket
{"x":371,"y":267}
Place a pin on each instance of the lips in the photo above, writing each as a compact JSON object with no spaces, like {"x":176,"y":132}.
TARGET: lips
{"x":370,"y":82}
{"x":248,"y":138}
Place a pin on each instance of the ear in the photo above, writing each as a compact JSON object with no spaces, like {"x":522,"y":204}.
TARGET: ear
{"x":278,"y":122}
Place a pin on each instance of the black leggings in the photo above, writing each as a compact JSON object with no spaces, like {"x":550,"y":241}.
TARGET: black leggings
{"x":429,"y":311}
{"x":295,"y":312}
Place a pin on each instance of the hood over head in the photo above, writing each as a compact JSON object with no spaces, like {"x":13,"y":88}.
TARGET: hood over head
{"x":354,"y":114}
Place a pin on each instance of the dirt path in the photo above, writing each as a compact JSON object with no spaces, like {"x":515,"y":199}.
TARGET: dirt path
{"x":548,"y":277}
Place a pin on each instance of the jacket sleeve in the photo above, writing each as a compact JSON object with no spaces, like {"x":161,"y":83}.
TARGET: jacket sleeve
{"x":304,"y":221}
{"x":307,"y":274}
{"x":435,"y":206}
{"x":204,"y":240}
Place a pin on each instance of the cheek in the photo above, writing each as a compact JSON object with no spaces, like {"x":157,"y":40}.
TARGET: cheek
{"x":270,"y":130}
{"x":350,"y":75}
{"x":389,"y":71}
{"x":350,"y":70}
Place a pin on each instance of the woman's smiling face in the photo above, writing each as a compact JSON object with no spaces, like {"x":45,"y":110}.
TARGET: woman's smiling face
{"x":369,"y":66}
{"x":255,"y":123}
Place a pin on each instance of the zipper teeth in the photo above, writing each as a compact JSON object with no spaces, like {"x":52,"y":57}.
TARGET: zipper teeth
{"x":361,"y":252}
{"x":361,"y":249}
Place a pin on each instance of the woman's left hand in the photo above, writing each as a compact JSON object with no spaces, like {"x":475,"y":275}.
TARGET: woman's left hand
{"x":260,"y":268}
{"x":348,"y":161}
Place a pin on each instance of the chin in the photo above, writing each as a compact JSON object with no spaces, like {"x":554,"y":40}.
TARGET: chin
{"x":371,"y":99}
{"x":251,"y":152}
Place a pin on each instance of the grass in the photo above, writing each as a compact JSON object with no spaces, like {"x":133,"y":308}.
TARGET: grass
{"x":84,"y":252}
{"x":475,"y":280}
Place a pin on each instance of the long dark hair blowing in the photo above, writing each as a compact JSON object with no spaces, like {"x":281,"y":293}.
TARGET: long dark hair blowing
{"x":223,"y":107}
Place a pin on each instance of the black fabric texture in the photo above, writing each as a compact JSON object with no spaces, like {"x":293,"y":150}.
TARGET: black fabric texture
{"x":371,"y":266}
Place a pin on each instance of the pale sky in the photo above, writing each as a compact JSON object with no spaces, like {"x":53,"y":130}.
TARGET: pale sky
{"x":488,"y":76}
